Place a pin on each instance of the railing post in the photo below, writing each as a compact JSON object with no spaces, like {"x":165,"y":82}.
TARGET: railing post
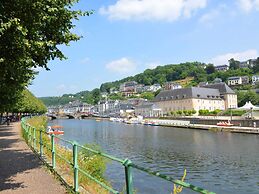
{"x":128,"y":176}
{"x":53,"y":151}
{"x":75,"y":166}
{"x":29,"y":135}
{"x":41,"y":144}
{"x":34,"y":138}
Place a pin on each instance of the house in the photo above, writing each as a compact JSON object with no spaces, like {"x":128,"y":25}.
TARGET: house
{"x":247,"y":64}
{"x":201,"y":84}
{"x":226,"y":93}
{"x":232,"y":81}
{"x":210,"y":97}
{"x":128,"y":88}
{"x":255,"y":79}
{"x":193,"y":98}
{"x":107,"y":107}
{"x":245,"y":80}
{"x":172,"y":86}
{"x":238,"y":80}
{"x":140,"y":88}
{"x":148,"y":109}
{"x":221,"y":68}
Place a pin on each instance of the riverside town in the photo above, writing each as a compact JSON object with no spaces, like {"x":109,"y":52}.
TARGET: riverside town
{"x":127,"y":96}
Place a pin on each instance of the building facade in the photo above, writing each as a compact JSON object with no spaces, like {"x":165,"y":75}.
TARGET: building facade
{"x":255,"y":79}
{"x":148,"y":110}
{"x":210,"y":97}
{"x":172,"y":86}
{"x":221,"y":68}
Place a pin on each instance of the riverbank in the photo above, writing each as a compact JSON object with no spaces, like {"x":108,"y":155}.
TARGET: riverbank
{"x":188,"y":124}
{"x":21,"y":170}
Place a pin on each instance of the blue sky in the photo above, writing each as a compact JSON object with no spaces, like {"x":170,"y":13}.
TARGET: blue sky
{"x":125,"y":37}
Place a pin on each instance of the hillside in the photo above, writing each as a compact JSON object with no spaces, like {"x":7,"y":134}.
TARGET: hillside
{"x":188,"y":74}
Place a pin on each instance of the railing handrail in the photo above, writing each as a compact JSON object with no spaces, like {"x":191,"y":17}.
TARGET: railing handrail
{"x":126,"y":163}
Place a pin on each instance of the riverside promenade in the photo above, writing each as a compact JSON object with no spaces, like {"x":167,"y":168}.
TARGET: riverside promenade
{"x":21,"y":171}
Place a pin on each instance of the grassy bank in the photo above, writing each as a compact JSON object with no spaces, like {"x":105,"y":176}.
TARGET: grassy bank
{"x":93,"y":164}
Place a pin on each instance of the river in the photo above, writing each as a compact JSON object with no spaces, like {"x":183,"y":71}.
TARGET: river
{"x":217,"y":161}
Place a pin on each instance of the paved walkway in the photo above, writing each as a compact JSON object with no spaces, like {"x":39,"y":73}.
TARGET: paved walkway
{"x":20,"y":170}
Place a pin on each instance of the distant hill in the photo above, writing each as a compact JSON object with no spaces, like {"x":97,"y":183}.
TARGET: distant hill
{"x":189,"y":74}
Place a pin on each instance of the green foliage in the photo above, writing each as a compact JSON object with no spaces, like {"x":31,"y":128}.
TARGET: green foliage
{"x":210,"y":69}
{"x":183,"y":112}
{"x":233,"y":64}
{"x":234,"y":112}
{"x":147,"y":95}
{"x":207,"y":112}
{"x":204,"y":112}
{"x":245,"y":96}
{"x":31,"y":33}
{"x":117,"y":96}
{"x":28,"y":103}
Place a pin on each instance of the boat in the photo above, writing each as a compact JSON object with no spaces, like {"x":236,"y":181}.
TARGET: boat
{"x":56,"y":130}
{"x":225,"y":124}
{"x":59,"y":132}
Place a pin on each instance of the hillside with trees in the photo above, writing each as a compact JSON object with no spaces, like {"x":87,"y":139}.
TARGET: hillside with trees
{"x":200,"y":72}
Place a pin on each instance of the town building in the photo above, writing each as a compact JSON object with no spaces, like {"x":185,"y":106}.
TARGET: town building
{"x":221,"y":67}
{"x":210,"y":97}
{"x":232,"y":81}
{"x":238,"y":80}
{"x":128,"y":88}
{"x":247,"y":64}
{"x":172,"y":86}
{"x":148,"y":109}
{"x":255,"y":79}
{"x":108,"y":107}
{"x":226,"y":93}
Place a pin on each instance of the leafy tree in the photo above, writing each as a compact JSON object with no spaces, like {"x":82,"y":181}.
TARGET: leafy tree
{"x":210,"y":69}
{"x":30,"y":35}
{"x":147,"y":95}
{"x":233,"y":64}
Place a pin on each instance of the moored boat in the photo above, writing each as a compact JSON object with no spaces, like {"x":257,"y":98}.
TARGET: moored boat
{"x":56,"y":130}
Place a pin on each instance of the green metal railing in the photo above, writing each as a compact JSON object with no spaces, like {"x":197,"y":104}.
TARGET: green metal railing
{"x":37,"y":144}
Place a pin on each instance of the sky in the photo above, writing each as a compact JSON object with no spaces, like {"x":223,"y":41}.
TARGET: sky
{"x":125,"y":37}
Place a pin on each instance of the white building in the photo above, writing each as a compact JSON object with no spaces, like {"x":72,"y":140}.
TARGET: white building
{"x":232,"y":81}
{"x":172,"y":86}
{"x":255,"y":78}
{"x":221,"y":68}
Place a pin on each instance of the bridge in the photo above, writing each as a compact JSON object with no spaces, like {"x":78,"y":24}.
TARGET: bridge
{"x":69,"y":115}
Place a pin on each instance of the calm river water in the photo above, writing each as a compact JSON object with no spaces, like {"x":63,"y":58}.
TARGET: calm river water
{"x":220,"y":162}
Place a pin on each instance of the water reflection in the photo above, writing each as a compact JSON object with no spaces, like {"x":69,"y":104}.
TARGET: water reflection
{"x":220,"y":162}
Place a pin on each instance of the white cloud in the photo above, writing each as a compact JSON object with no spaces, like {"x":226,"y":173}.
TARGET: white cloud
{"x":166,"y":10}
{"x":240,"y":56}
{"x":248,"y":5}
{"x":122,"y":66}
{"x":209,"y":17}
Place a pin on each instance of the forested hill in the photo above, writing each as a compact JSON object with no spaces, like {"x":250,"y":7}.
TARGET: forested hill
{"x":200,"y":72}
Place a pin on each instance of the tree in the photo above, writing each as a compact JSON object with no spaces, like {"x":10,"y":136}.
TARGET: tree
{"x":256,"y":66}
{"x":210,"y":69}
{"x":233,"y":64}
{"x":30,"y":35}
{"x":147,"y":95}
